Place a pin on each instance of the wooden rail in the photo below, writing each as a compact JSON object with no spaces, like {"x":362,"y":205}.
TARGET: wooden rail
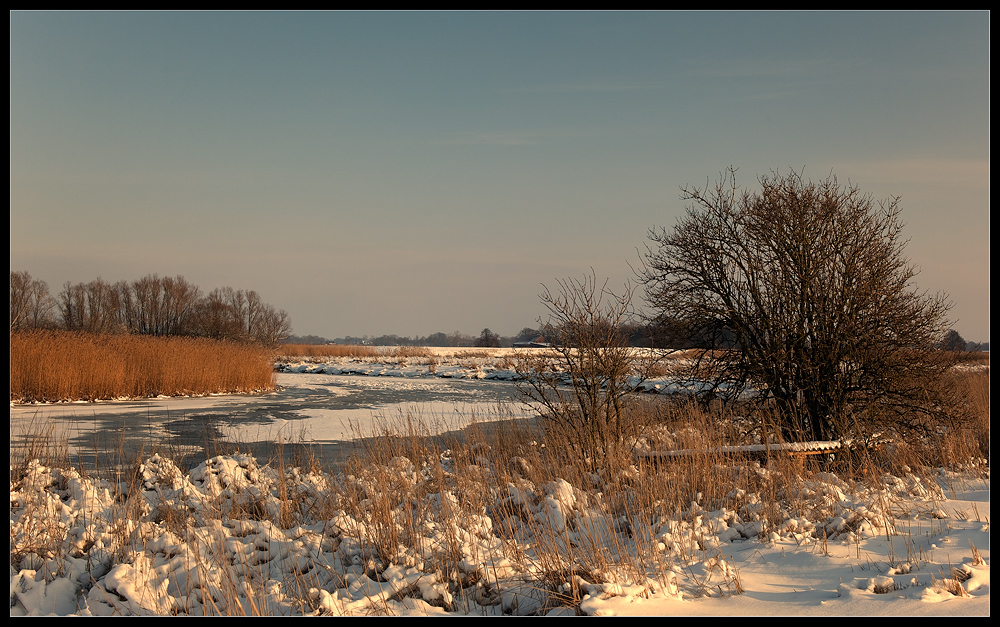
{"x":800,"y":450}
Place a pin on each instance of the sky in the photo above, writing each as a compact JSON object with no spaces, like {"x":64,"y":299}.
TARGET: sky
{"x":412,"y":173}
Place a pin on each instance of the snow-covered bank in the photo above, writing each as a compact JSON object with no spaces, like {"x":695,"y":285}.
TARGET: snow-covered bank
{"x":234,"y":537}
{"x":494,"y":364}
{"x":481,"y":532}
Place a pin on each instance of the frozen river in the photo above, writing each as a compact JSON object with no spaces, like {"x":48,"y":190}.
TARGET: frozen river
{"x":331,"y":414}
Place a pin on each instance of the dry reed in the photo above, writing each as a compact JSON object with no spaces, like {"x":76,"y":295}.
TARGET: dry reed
{"x":53,"y":366}
{"x":298,"y":351}
{"x":289,"y":352}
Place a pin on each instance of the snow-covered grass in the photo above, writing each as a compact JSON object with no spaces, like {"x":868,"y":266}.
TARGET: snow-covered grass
{"x":500,"y":523}
{"x":401,"y":361}
{"x":499,"y":364}
{"x":503,"y":522}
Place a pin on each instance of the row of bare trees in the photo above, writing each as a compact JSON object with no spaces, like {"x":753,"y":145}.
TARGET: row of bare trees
{"x":152,"y":305}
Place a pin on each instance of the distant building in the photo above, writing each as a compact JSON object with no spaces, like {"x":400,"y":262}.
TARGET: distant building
{"x":538,"y":342}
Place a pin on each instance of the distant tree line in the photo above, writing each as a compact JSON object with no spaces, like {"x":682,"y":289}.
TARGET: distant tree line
{"x":658,"y":335}
{"x":152,"y":305}
{"x":953,"y":341}
{"x":455,"y":339}
{"x":306,"y":339}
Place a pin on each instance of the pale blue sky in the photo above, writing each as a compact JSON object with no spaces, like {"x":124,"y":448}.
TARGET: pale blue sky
{"x":410,"y":173}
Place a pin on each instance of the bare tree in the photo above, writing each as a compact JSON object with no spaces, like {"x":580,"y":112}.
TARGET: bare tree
{"x":220,"y":314}
{"x":20,"y":283}
{"x":809,"y":285}
{"x":237,"y":315}
{"x":147,"y":303}
{"x":180,"y":297}
{"x":93,"y":307}
{"x":272,"y":326}
{"x":488,"y":339}
{"x":158,"y":306}
{"x":953,"y":341}
{"x":585,"y":383}
{"x":70,"y":304}
{"x":30,"y":303}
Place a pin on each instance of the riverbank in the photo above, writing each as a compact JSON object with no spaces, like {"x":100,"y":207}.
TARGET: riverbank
{"x":493,"y":520}
{"x":491,"y":529}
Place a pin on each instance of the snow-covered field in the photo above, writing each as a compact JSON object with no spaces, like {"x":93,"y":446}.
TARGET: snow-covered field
{"x":79,"y":550}
{"x":235,"y":535}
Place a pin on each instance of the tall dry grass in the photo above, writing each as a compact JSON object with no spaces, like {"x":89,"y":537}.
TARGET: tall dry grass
{"x":511,"y":471}
{"x":966,"y":438}
{"x":53,"y":366}
{"x":293,"y":351}
{"x":319,"y":351}
{"x":414,"y":499}
{"x":453,"y":506}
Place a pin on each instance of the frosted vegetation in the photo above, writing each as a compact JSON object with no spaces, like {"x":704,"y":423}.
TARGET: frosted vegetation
{"x":502,"y":521}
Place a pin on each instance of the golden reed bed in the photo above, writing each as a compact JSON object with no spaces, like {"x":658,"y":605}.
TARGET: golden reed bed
{"x":52,"y":366}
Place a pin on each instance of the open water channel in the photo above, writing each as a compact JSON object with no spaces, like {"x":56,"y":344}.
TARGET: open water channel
{"x":330,"y":415}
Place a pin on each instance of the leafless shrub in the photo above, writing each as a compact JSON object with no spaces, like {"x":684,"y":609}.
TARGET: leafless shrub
{"x":807,"y":285}
{"x":585,"y":383}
